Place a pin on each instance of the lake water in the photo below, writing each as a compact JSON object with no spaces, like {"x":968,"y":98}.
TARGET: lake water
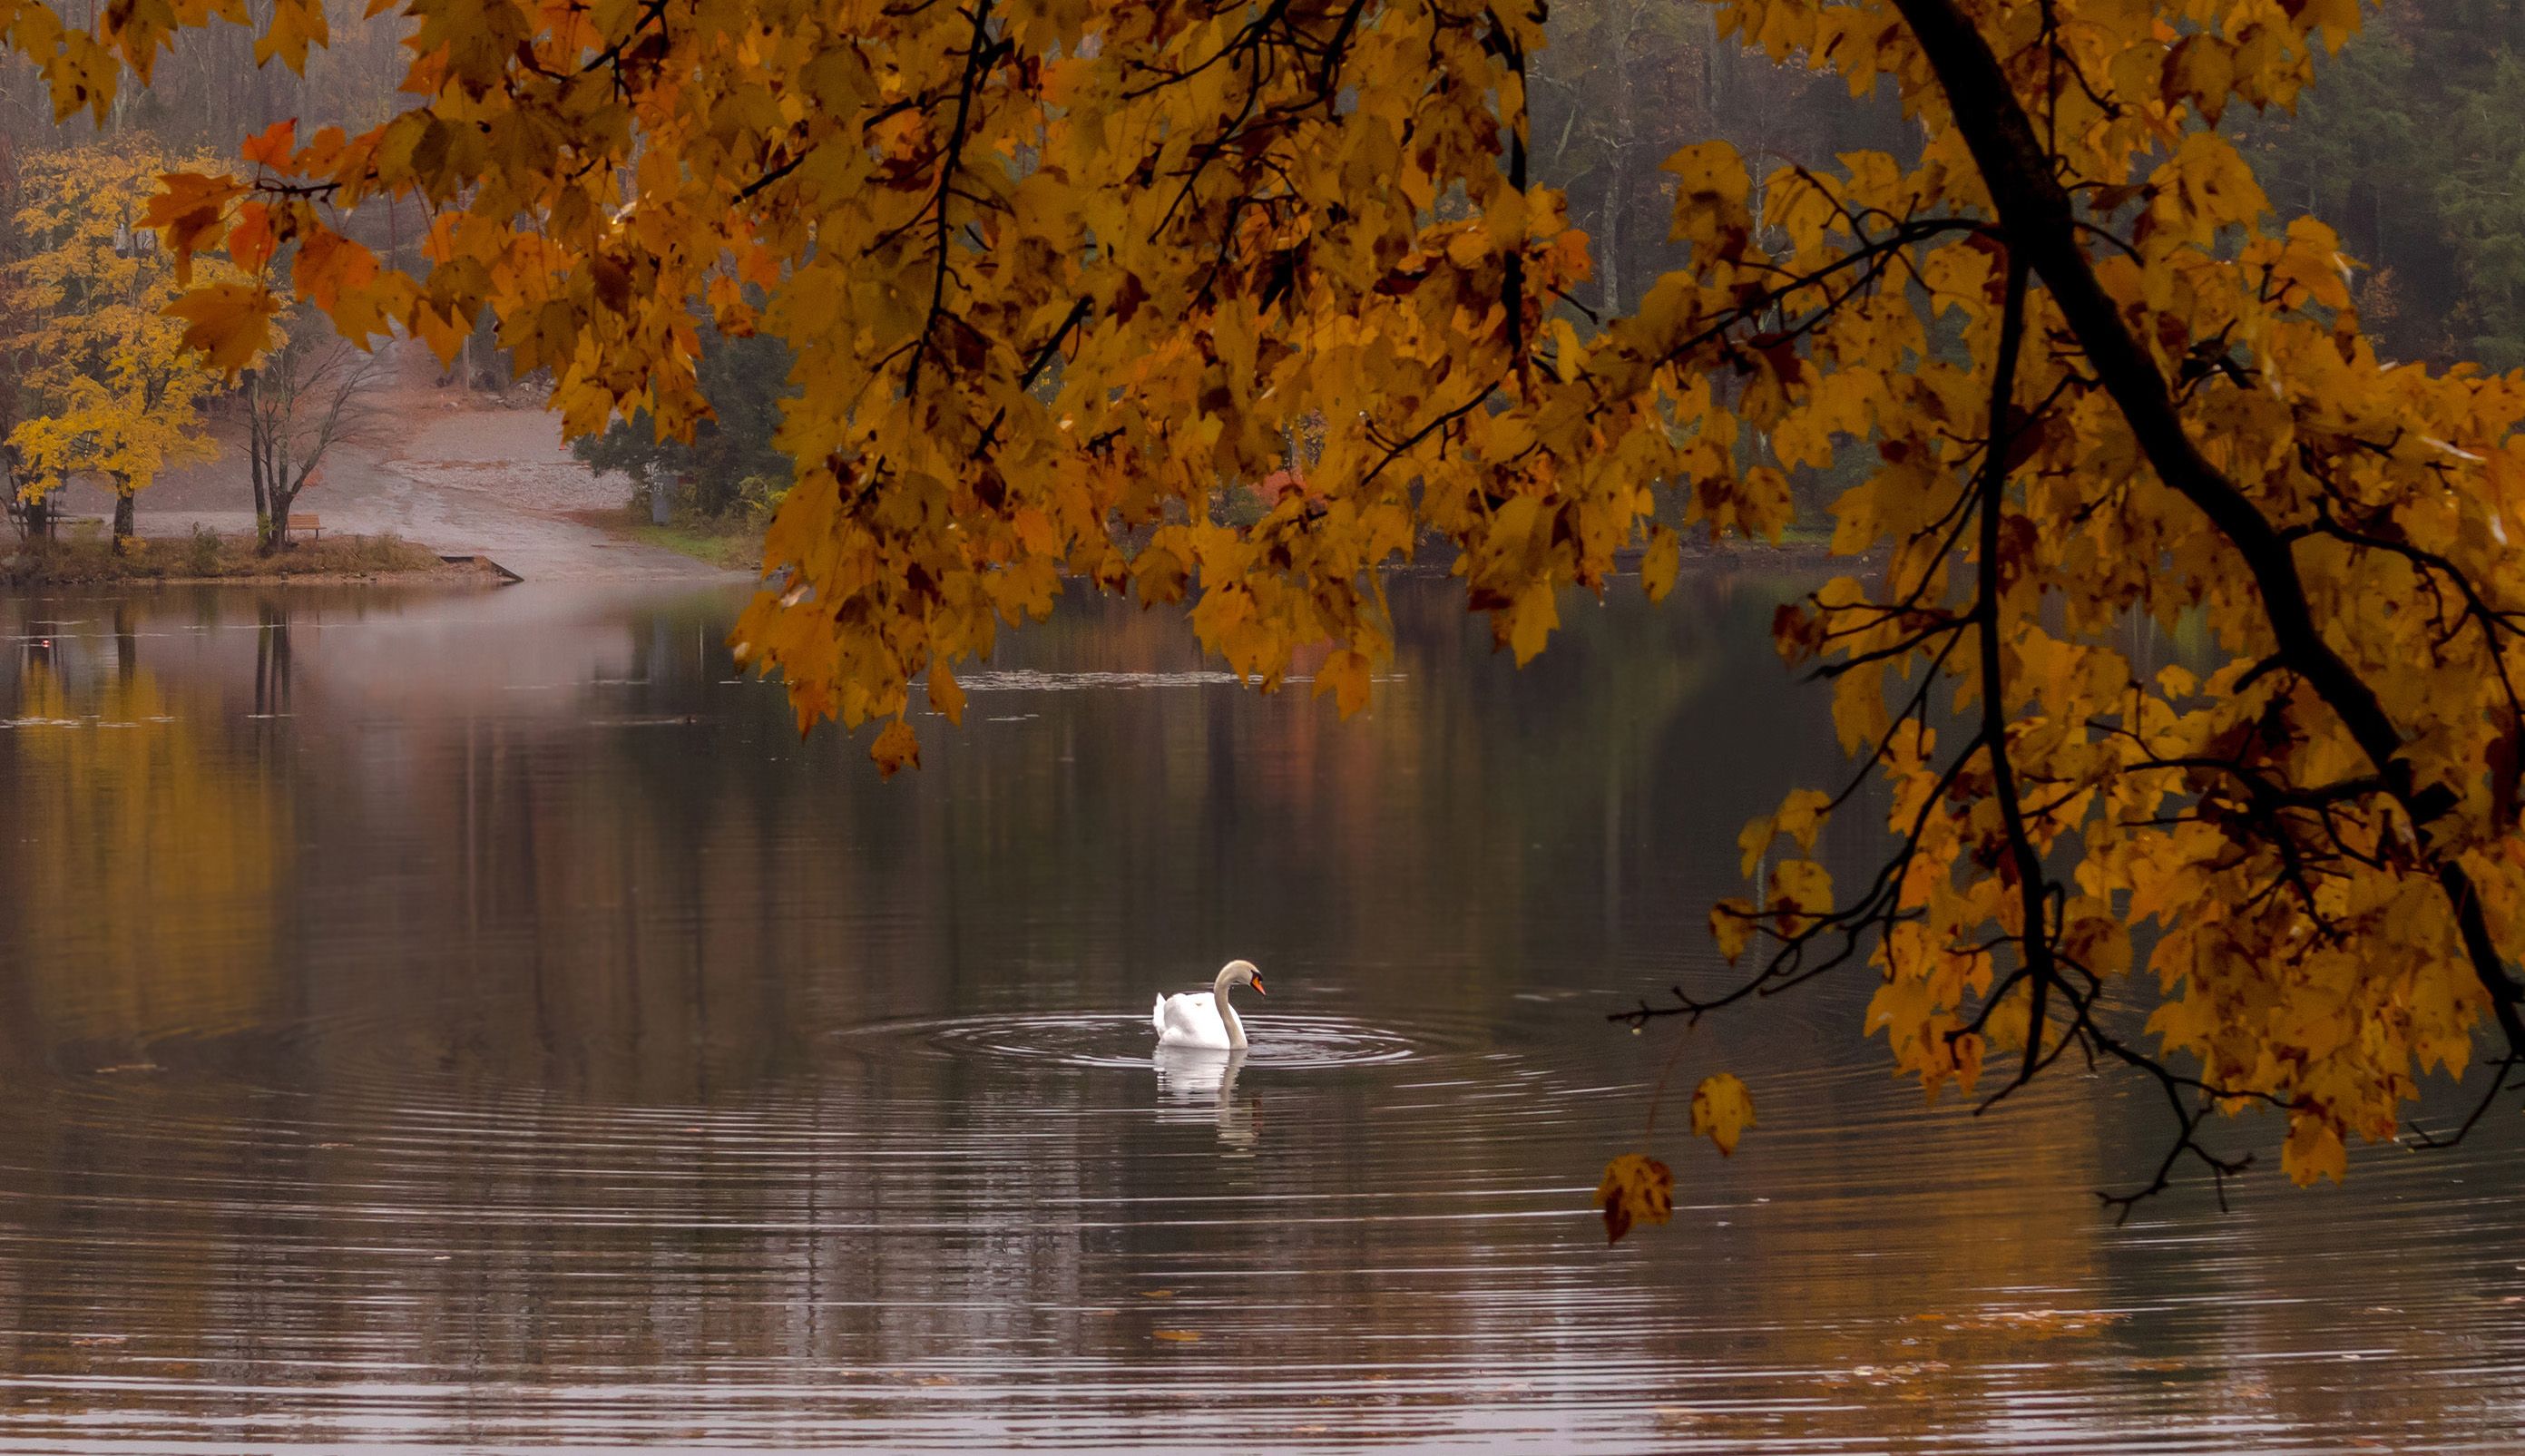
{"x":480,"y":1021}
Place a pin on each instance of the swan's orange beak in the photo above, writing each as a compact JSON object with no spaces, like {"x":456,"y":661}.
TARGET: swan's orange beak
{"x":1258,"y":986}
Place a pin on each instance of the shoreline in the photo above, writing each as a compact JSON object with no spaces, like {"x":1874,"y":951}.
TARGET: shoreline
{"x":206,"y":560}
{"x":354,"y":560}
{"x":488,"y":576}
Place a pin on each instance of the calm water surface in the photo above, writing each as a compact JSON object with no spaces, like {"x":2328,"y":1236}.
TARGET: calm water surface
{"x":480,"y":1020}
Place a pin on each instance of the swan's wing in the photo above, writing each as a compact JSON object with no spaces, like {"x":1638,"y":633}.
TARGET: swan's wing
{"x":1183,"y":1013}
{"x":1191,"y":1018}
{"x":1157,"y":1016}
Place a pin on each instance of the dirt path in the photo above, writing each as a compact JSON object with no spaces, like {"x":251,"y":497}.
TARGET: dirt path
{"x":444,"y":468}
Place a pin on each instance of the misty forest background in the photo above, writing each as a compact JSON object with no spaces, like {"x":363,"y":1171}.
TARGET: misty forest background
{"x":2412,"y":144}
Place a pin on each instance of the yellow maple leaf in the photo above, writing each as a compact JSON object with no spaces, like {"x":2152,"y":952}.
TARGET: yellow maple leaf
{"x":250,"y":239}
{"x":1345,"y":675}
{"x":945,"y":693}
{"x":228,"y":324}
{"x":1801,"y":890}
{"x":1710,"y":190}
{"x":895,"y":748}
{"x":1731,"y":924}
{"x":295,"y":26}
{"x":191,"y":210}
{"x":1528,"y":622}
{"x":1659,"y":566}
{"x":2313,"y":1151}
{"x":273,"y":146}
{"x":1635,"y":1188}
{"x":1721,"y":1111}
{"x":81,"y":74}
{"x":1753,"y":841}
{"x":1801,"y":814}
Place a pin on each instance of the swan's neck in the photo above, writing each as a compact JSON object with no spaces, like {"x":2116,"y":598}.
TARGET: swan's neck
{"x":1226,"y":1012}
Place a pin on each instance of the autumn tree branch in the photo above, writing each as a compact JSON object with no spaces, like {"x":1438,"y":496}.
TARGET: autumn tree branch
{"x":2036,"y":217}
{"x":2033,"y":939}
{"x":980,"y":54}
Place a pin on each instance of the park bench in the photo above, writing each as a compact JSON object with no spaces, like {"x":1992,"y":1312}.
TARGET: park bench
{"x":312,"y":525}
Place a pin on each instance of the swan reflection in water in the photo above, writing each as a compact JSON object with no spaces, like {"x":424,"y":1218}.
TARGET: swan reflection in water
{"x":1199,"y":1080}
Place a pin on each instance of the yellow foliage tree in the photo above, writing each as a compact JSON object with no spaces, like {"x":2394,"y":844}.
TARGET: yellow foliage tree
{"x":107,"y":386}
{"x":1050,"y":267}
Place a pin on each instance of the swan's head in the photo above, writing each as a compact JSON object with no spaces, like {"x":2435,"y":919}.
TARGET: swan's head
{"x":1242,"y":973}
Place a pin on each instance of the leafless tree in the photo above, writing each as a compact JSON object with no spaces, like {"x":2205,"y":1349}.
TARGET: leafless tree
{"x":308,"y":397}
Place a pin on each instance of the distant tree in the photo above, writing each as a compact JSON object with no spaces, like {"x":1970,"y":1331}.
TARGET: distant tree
{"x":2413,"y":147}
{"x":105,"y":386}
{"x":745,"y":379}
{"x":27,"y":509}
{"x":1624,"y":82}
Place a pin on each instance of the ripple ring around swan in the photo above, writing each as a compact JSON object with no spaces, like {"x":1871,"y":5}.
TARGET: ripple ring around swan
{"x":1296,"y":1042}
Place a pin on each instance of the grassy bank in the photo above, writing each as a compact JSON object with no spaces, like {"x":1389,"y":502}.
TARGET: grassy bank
{"x":203,"y":556}
{"x":729,"y":545}
{"x":733,"y":548}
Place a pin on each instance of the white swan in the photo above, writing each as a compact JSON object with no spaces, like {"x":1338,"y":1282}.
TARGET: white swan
{"x":1204,"y":1018}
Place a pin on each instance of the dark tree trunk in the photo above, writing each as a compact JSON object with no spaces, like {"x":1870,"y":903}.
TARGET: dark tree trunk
{"x":1617,"y":192}
{"x":283,"y":478}
{"x":122,"y":528}
{"x":263,"y":534}
{"x":278,"y":535}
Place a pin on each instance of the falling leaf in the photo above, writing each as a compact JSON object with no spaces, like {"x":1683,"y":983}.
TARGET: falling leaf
{"x":1721,"y":1111}
{"x":1636,"y":1186}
